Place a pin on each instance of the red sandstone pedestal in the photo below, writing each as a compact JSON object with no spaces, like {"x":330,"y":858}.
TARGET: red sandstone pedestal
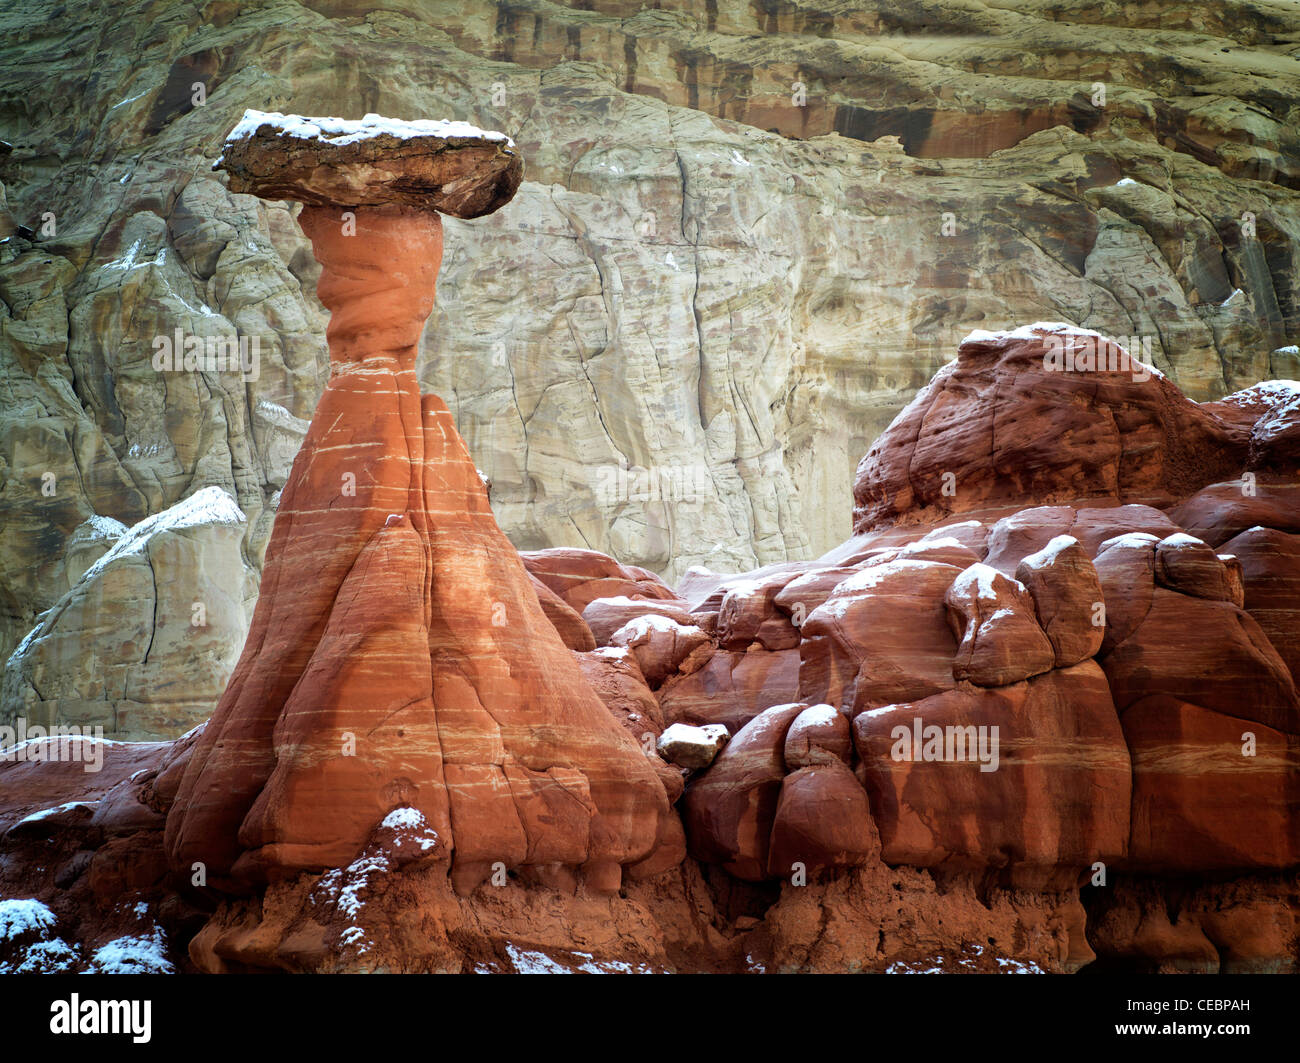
{"x":398,"y":655}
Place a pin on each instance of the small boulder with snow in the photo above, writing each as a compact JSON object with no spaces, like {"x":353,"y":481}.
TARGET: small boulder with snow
{"x":659,"y":644}
{"x":993,"y":616}
{"x":692,"y":747}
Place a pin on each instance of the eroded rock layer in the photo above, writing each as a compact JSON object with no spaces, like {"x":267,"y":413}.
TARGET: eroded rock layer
{"x":749,"y":232}
{"x":1042,"y":720}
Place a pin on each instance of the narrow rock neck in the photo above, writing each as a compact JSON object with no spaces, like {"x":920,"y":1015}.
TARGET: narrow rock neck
{"x":379,"y":271}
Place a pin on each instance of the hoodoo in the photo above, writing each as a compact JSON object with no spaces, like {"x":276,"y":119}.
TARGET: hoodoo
{"x":399,"y":656}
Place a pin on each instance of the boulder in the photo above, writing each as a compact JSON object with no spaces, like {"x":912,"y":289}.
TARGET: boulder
{"x":1189,"y":566}
{"x":582,"y":576}
{"x":604,"y":616}
{"x":749,"y":614}
{"x":731,"y":688}
{"x":566,"y":621}
{"x":1066,"y":591}
{"x":659,"y":644}
{"x":692,"y":747}
{"x":1235,"y":671}
{"x":1047,"y":412}
{"x":819,"y":735}
{"x":882,"y":636}
{"x":822,"y":822}
{"x":993,"y":616}
{"x":729,"y":810}
{"x":1270,"y":566}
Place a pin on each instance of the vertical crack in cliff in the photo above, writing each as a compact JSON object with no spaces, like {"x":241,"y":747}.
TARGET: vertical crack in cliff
{"x":700,"y":391}
{"x":607,"y":297}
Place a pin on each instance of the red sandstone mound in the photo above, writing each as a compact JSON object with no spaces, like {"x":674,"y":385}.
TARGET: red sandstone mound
{"x":1028,"y":416}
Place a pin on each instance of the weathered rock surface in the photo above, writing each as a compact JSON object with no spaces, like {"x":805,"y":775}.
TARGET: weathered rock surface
{"x":993,"y":618}
{"x":692,"y":747}
{"x":1045,"y":795}
{"x":684,"y":378}
{"x":978,"y":744}
{"x":146,"y":639}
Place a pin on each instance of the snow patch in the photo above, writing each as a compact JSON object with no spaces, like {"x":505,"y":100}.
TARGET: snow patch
{"x":1049,"y":553}
{"x":45,"y":813}
{"x":528,"y":961}
{"x":947,"y":542}
{"x":980,"y":577}
{"x":870,"y":578}
{"x":1030,"y":332}
{"x":817,"y":716}
{"x":132,"y":955}
{"x":45,"y":957}
{"x":104,"y":527}
{"x":18,"y":917}
{"x":1129,"y":539}
{"x":211,"y":505}
{"x":640,"y":627}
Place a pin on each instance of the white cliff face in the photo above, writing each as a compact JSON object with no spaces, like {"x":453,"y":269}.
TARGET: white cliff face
{"x":143,"y":643}
{"x":743,"y":242}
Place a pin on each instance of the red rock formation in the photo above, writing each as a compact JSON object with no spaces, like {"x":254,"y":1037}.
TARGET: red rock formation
{"x":582,"y":576}
{"x":399,"y":655}
{"x":1045,"y":795}
{"x":998,"y":427}
{"x":968,"y":718}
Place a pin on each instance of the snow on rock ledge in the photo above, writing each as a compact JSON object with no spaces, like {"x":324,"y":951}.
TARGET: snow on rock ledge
{"x":143,"y":644}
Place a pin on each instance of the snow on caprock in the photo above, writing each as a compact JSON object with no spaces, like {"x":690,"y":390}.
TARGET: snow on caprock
{"x":342,"y":131}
